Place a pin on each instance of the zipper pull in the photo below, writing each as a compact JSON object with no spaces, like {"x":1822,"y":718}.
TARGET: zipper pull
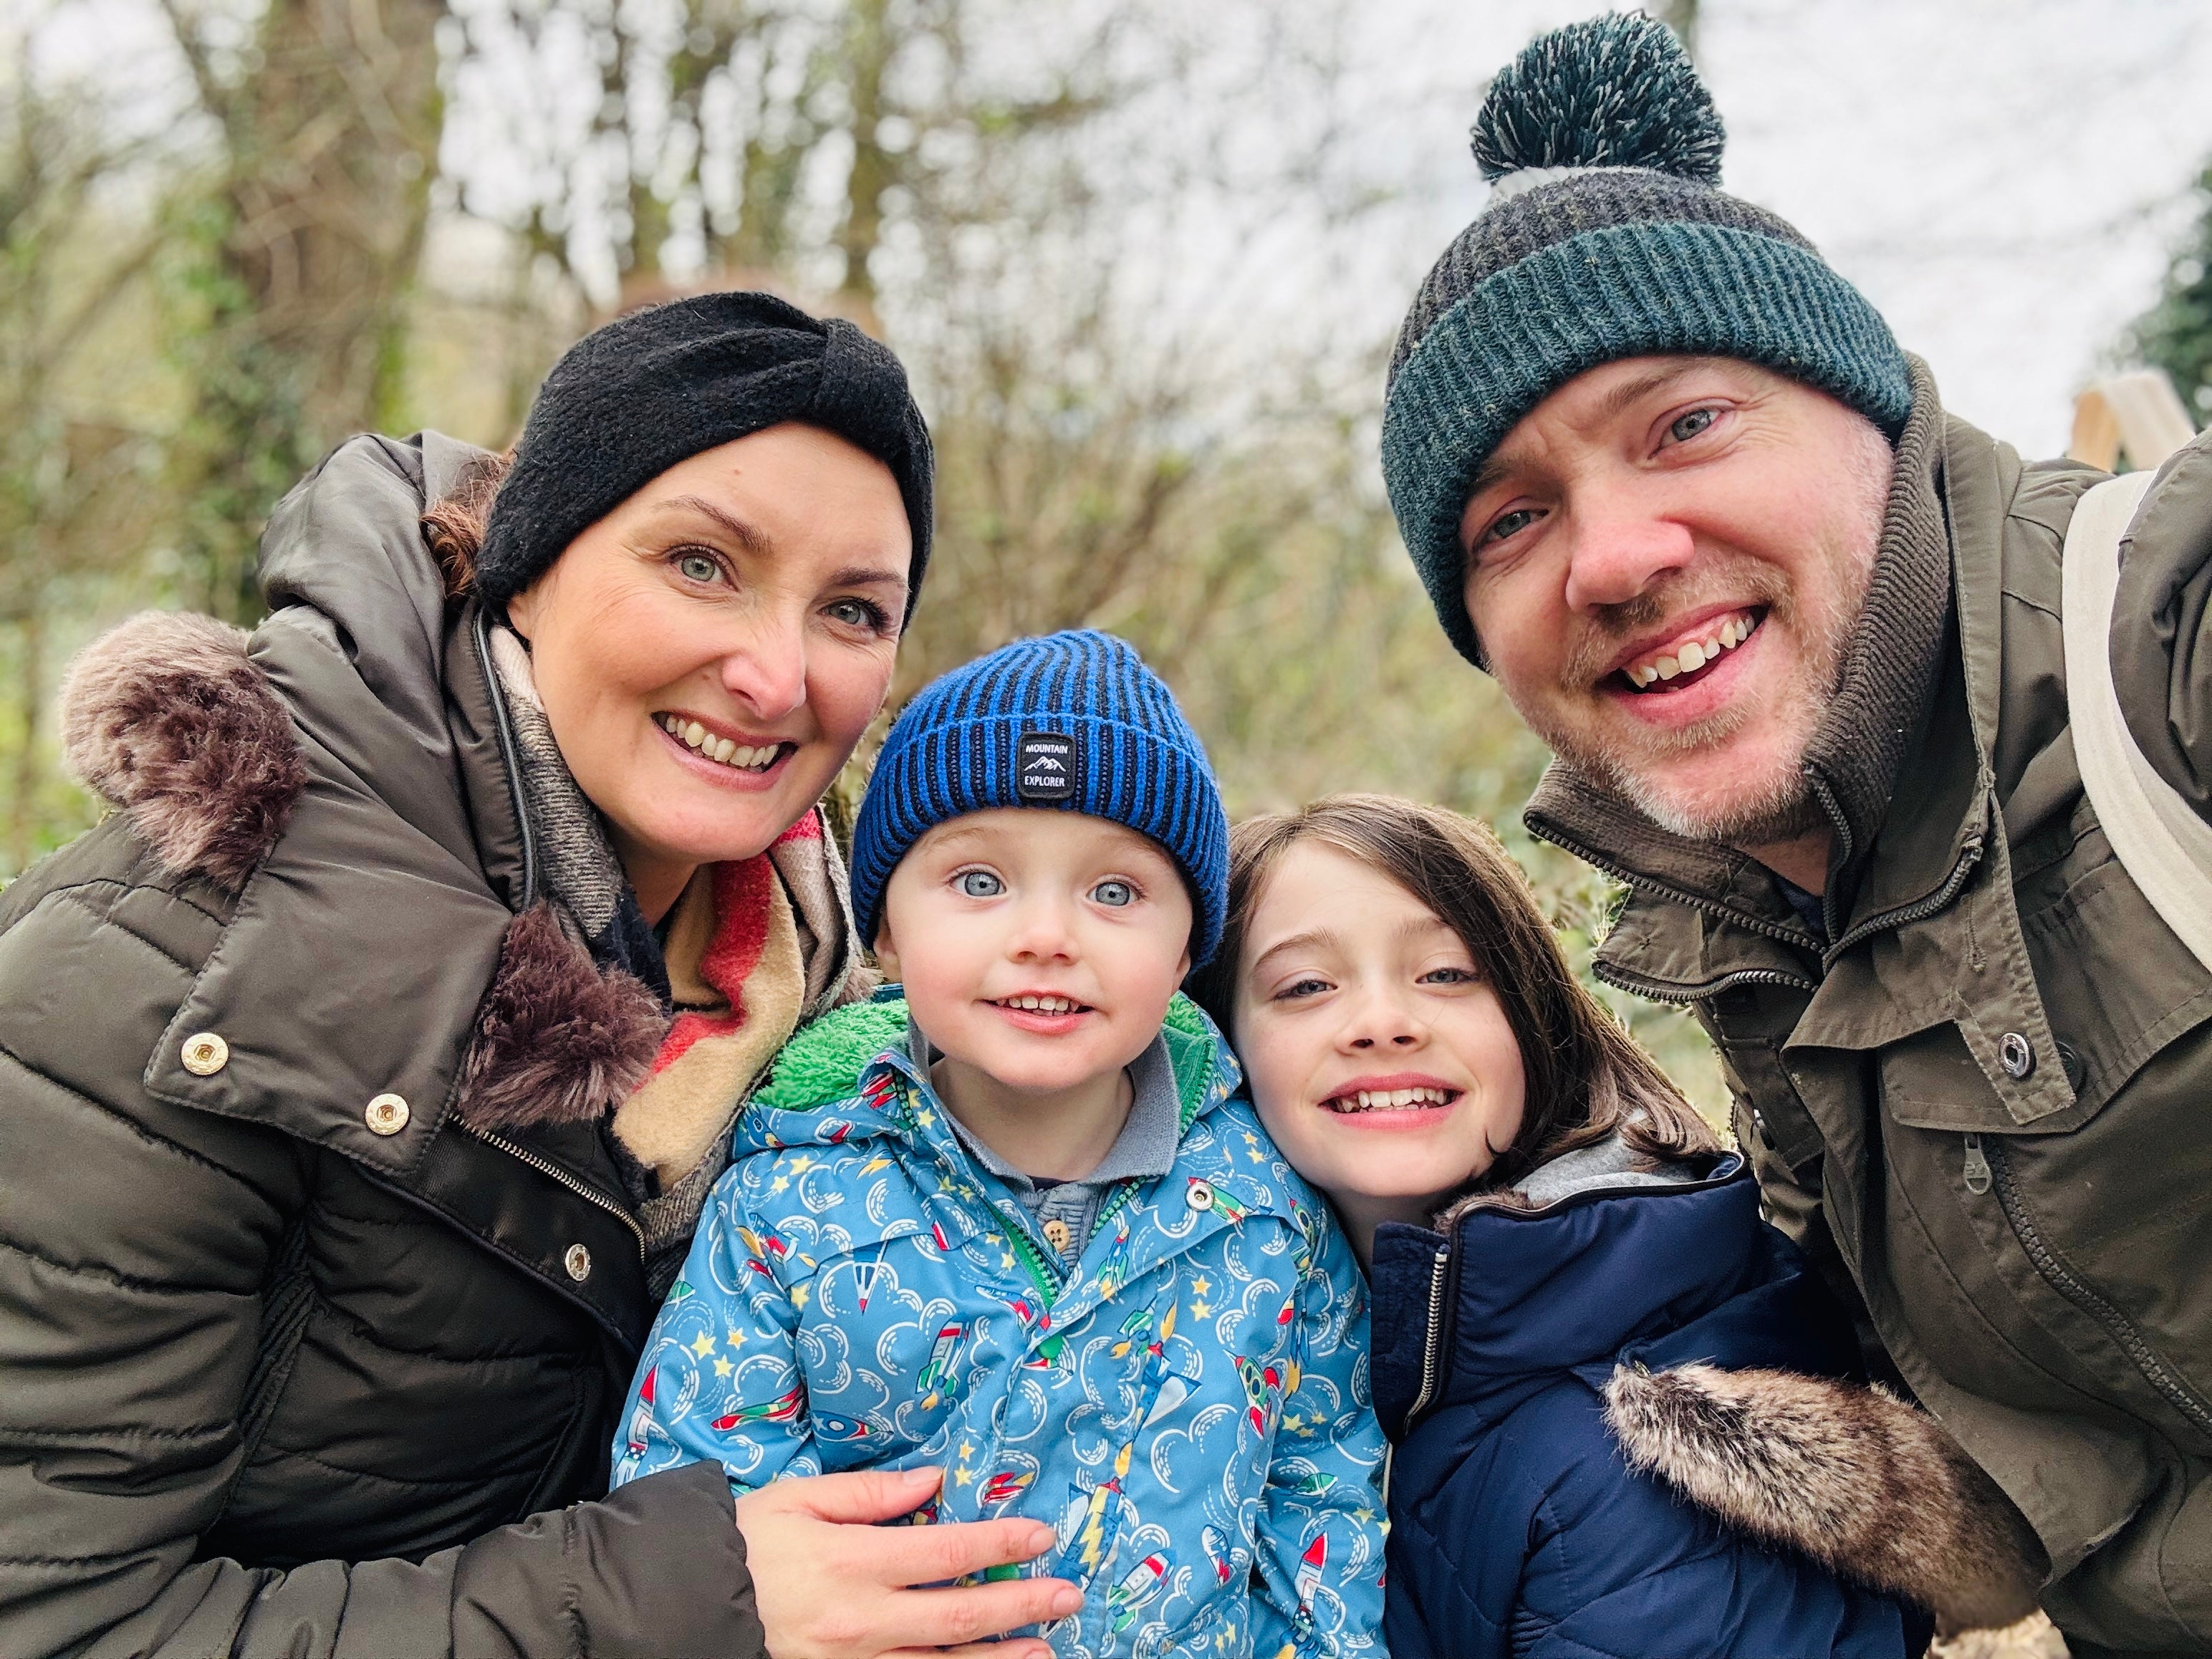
{"x":1432,"y":1335}
{"x":1977,"y":1167}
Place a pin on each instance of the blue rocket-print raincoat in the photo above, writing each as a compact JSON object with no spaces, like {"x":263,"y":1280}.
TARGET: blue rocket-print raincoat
{"x":1187,"y":1404}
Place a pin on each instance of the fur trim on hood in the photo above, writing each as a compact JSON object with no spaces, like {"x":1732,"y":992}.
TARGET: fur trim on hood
{"x":557,"y":1041}
{"x":168,"y":719}
{"x":1853,"y":1477}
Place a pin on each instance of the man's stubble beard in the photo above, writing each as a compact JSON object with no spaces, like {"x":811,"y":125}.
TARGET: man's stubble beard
{"x":1779,"y":806}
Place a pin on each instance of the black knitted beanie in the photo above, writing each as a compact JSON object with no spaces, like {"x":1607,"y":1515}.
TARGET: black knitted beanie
{"x":630,"y":400}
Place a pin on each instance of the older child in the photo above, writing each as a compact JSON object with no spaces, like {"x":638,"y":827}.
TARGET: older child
{"x":1013,"y":1217}
{"x":1562,"y":1257}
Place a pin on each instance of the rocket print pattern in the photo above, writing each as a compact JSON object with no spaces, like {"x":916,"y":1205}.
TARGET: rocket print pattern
{"x":1185,"y":1402}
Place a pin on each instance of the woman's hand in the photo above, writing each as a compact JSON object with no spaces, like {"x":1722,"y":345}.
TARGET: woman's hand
{"x":829,"y":1584}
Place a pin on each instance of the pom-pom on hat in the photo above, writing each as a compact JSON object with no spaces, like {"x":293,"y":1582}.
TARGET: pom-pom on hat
{"x":1072,"y":722}
{"x":1606,"y":236}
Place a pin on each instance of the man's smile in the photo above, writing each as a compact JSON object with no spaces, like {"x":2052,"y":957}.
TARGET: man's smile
{"x":1692,"y":652}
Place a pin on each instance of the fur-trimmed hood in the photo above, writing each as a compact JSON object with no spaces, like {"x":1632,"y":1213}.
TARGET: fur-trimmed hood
{"x":1720,"y":1366}
{"x":169,"y":718}
{"x":341,"y":780}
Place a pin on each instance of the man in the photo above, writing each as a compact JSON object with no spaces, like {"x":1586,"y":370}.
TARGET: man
{"x":1794,"y":635}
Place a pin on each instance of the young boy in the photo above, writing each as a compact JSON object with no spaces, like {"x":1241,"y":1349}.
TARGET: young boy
{"x":1014,"y":1217}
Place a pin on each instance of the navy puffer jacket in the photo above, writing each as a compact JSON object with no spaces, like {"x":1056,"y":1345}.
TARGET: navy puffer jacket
{"x":1517,"y":1525}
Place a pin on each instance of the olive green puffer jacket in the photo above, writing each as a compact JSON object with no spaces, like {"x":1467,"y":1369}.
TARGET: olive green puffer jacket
{"x":292,"y":1362}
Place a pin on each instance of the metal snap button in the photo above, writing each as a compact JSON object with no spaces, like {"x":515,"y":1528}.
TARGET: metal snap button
{"x":387,"y":1115}
{"x":206,"y":1053}
{"x":578,"y":1261}
{"x":1058,"y":1235}
{"x":1199,"y":1195}
{"x":2015,"y":1056}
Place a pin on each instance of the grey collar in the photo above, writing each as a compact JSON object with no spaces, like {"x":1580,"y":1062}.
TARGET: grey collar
{"x":1609,"y":1164}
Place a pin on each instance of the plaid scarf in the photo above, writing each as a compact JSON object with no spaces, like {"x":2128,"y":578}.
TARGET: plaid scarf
{"x":753,"y":948}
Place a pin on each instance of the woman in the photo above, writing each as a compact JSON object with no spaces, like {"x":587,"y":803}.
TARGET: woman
{"x":360,"y":1078}
{"x":1580,"y":1319}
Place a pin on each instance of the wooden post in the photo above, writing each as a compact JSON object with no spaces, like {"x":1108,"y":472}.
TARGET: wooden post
{"x":2138,"y":415}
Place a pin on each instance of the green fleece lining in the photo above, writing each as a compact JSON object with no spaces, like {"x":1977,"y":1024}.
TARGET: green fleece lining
{"x":824,"y":1062}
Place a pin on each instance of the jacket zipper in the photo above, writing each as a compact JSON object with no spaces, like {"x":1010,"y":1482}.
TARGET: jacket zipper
{"x":1031,"y":1259}
{"x":1116,"y":1201}
{"x":1840,"y":854}
{"x":1977,"y":1175}
{"x":1050,"y":1282}
{"x":547,"y":1167}
{"x":1679,"y":895}
{"x":2064,"y":1279}
{"x":1969,"y":856}
{"x":1674,"y":993}
{"x":1433,"y":1338}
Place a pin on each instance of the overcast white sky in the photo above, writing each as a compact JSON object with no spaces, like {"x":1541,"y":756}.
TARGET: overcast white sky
{"x":2005,"y":179}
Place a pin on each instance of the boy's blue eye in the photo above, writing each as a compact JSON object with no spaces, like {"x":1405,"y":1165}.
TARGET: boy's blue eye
{"x":1114,"y":893}
{"x":980,"y":883}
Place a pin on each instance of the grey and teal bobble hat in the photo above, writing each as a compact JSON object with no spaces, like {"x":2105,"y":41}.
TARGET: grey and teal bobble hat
{"x":1606,"y":236}
{"x":1073,"y":722}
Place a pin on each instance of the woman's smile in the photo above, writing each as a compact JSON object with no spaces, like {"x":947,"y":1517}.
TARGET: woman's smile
{"x":732,"y":759}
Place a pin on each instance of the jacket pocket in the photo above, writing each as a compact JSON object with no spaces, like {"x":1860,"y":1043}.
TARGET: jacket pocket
{"x":2094,"y":1219}
{"x":2118,"y":985}
{"x":887,"y":1337}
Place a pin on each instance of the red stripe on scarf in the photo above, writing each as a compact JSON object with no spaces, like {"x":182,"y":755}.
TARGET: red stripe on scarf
{"x":741,"y":902}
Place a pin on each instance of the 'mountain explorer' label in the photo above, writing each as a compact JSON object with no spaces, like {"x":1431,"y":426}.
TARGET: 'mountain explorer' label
{"x":1044,"y":767}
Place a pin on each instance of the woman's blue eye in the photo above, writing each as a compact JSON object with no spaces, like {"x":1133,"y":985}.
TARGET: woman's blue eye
{"x":1304,"y":987}
{"x":859,"y":613}
{"x":698,"y":567}
{"x":1684,"y":427}
{"x":1114,"y":893}
{"x":980,"y":883}
{"x":1449,"y":976}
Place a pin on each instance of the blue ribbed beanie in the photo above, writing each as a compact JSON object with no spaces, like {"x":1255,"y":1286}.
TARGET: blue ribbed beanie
{"x":1073,"y":722}
{"x":1605,"y":237}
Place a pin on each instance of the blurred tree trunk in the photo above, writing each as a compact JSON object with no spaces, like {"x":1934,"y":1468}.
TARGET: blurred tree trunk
{"x":30,"y":699}
{"x":292,"y":314}
{"x":871,"y":41}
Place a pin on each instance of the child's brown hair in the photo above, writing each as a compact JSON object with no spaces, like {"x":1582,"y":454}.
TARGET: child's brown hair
{"x":1588,"y":1079}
